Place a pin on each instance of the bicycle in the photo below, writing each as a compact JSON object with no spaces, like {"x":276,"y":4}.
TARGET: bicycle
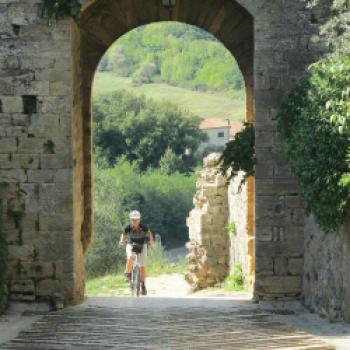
{"x":135,"y":280}
{"x":135,"y":283}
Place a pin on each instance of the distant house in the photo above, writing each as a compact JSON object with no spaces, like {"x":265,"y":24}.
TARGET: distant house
{"x":219,"y":131}
{"x":235,"y":128}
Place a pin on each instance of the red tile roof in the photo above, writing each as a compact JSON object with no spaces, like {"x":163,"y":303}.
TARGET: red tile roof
{"x":216,"y":123}
{"x":213,"y":123}
{"x":235,"y":128}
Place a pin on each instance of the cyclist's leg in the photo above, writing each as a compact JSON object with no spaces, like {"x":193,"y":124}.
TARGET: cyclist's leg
{"x":143,"y":262}
{"x":129,"y":260}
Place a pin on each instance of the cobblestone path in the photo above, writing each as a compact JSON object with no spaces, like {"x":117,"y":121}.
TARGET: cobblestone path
{"x":160,"y":323}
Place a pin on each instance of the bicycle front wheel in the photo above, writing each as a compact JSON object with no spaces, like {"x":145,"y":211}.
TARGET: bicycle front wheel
{"x":136,"y":280}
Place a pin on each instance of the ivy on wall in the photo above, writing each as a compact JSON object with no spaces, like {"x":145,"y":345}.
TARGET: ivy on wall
{"x":57,"y":9}
{"x":239,"y":154}
{"x":312,"y":124}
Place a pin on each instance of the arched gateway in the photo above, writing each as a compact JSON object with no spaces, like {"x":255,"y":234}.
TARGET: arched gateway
{"x":46,"y":147}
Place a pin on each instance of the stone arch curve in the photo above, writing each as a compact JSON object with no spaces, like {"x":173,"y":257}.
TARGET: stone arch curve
{"x":103,"y":22}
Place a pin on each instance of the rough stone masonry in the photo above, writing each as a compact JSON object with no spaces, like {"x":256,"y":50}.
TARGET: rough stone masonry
{"x":207,"y":223}
{"x":46,"y":74}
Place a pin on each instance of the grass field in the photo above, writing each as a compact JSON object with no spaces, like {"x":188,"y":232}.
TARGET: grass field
{"x":204,"y":104}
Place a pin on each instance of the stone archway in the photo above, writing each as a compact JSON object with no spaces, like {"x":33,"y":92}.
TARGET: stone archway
{"x":103,"y":22}
{"x":45,"y":134}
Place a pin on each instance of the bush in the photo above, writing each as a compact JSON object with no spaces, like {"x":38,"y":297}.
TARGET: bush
{"x":144,"y":74}
{"x":171,"y":163}
{"x":317,"y":148}
{"x":235,"y":281}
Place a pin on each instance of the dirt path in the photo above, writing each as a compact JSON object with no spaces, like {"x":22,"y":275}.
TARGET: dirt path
{"x":175,"y":286}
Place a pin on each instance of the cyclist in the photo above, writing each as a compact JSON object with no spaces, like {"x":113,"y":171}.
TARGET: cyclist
{"x":139,"y":233}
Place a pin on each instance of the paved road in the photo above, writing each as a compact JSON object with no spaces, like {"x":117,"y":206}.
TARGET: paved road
{"x":164,"y":323}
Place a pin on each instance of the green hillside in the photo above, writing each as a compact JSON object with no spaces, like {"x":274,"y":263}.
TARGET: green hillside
{"x":204,"y":104}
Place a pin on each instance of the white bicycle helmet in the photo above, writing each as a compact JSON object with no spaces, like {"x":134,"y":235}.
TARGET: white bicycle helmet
{"x":135,"y":215}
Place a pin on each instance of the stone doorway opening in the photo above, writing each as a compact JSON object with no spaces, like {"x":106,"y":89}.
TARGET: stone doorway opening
{"x":103,"y":22}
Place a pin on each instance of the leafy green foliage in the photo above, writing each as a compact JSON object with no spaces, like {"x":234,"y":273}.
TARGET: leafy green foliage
{"x":170,"y":163}
{"x":158,"y":262}
{"x":317,"y":148}
{"x":143,"y":130}
{"x":235,"y":281}
{"x":231,"y":229}
{"x":337,"y":29}
{"x":176,"y":54}
{"x":239,"y":154}
{"x":57,"y":9}
{"x":164,"y":202}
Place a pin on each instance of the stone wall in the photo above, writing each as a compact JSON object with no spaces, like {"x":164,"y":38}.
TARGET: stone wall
{"x":327,"y":271}
{"x":36,"y":160}
{"x":238,"y":222}
{"x":207,"y":223}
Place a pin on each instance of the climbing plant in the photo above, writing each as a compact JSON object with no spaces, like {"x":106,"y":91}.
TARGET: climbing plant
{"x":336,"y":30}
{"x":57,"y":9}
{"x":313,"y":124}
{"x":239,"y":154}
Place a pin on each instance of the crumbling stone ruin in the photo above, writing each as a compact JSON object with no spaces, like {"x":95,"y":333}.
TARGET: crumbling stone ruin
{"x":209,"y":241}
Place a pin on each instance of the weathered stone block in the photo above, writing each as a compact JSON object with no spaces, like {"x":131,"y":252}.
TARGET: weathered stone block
{"x":8,"y":144}
{"x":55,"y":161}
{"x":14,"y":131}
{"x":281,"y":266}
{"x":52,"y":222}
{"x":45,"y":125}
{"x":295,"y":266}
{"x":41,"y":269}
{"x":264,"y":266}
{"x":40,"y":175}
{"x":23,"y":252}
{"x":31,"y":144}
{"x":13,"y":175}
{"x":22,"y":286}
{"x":20,"y":119}
{"x":25,"y":161}
{"x":48,"y":287}
{"x":53,"y":104}
{"x":278,"y":285}
{"x":292,"y":248}
{"x":64,"y":175}
{"x":12,"y":104}
{"x":39,"y":88}
{"x":58,"y":88}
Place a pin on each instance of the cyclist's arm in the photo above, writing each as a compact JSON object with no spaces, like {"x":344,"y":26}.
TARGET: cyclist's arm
{"x":122,"y":238}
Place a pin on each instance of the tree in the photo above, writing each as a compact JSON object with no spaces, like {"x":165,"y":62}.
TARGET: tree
{"x":170,"y":163}
{"x":337,"y":29}
{"x":184,"y":55}
{"x":145,"y":73}
{"x":142,"y":130}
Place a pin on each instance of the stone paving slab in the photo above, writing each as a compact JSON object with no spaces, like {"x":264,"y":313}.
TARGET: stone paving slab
{"x":161,"y":323}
